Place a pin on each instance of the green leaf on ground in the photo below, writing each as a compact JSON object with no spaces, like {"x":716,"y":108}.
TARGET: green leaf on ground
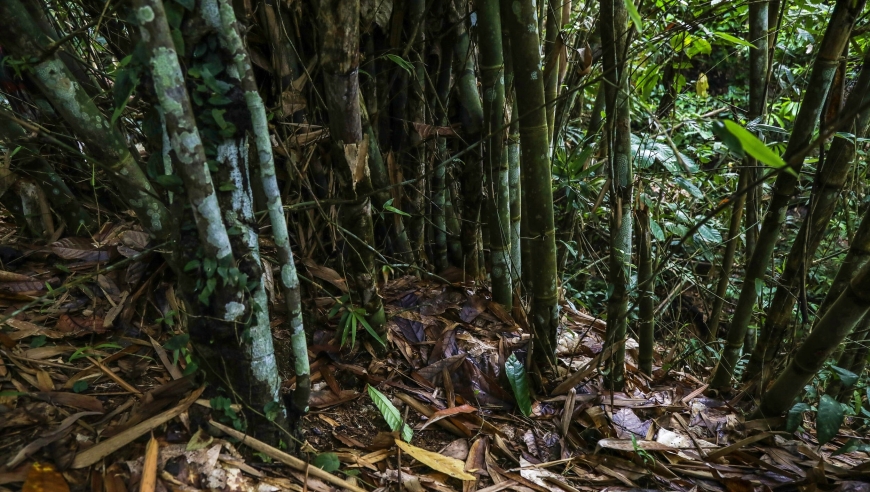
{"x":391,"y":413}
{"x":516,"y":374}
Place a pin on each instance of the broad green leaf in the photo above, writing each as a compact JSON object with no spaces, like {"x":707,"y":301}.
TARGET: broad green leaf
{"x":847,"y":377}
{"x":709,"y":235}
{"x":689,"y":186}
{"x":634,"y":14}
{"x":755,"y":147}
{"x":516,"y":374}
{"x":177,"y":342}
{"x":327,"y":462}
{"x":656,"y":231}
{"x":733,"y":39}
{"x":828,"y":419}
{"x":795,"y":416}
{"x":391,"y":413}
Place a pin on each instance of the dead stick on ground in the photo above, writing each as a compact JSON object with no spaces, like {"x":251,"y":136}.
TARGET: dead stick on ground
{"x":285,"y":458}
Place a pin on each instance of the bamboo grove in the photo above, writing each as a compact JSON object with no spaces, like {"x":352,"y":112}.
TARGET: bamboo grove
{"x":532,"y":148}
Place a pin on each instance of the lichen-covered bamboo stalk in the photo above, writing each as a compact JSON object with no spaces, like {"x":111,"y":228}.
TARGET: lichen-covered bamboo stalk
{"x":23,"y":38}
{"x":521,"y":18}
{"x":825,"y":65}
{"x":255,"y":377}
{"x":494,"y":158}
{"x":289,"y":282}
{"x":828,"y":185}
{"x":614,"y":36}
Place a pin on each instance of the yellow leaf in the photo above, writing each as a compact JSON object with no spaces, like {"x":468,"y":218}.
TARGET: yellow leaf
{"x":444,"y":464}
{"x":43,"y":477}
{"x":702,"y":85}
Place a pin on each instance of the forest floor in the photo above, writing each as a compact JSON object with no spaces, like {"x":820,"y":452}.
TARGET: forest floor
{"x":93,"y":397}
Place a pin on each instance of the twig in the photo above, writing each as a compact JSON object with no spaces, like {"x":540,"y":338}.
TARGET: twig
{"x":285,"y":458}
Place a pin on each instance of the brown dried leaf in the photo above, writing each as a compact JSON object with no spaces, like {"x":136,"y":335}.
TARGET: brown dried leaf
{"x":425,"y":131}
{"x":75,"y":400}
{"x":79,"y":248}
{"x":325,"y":273}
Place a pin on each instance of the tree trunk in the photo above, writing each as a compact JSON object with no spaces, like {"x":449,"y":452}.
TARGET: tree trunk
{"x":758,"y":23}
{"x":836,"y":36}
{"x":472,"y":171}
{"x":248,"y":367}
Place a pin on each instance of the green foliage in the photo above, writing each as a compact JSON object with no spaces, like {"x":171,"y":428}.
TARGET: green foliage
{"x":795,"y":416}
{"x":391,"y":413}
{"x":351,"y":318}
{"x":327,"y":462}
{"x":516,"y":374}
{"x":828,"y":419}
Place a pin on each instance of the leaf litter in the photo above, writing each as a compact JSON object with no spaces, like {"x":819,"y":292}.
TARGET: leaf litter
{"x":96,"y":394}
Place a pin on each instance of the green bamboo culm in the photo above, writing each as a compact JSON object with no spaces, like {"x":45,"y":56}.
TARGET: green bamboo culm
{"x":339,"y":55}
{"x":472,"y":171}
{"x":614,"y":36}
{"x":646,"y":288}
{"x":551,"y":62}
{"x":845,"y":313}
{"x":829,"y":183}
{"x":520,"y":17}
{"x":494,"y":158}
{"x":825,"y":65}
{"x":758,"y":22}
{"x":853,"y":358}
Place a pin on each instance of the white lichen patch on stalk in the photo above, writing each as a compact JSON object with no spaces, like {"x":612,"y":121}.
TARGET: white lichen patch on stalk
{"x":216,"y":234}
{"x":263,"y":362}
{"x":233,"y":310}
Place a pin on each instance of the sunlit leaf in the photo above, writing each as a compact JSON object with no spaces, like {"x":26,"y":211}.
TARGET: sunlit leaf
{"x":733,"y":39}
{"x":755,"y":147}
{"x":634,"y":14}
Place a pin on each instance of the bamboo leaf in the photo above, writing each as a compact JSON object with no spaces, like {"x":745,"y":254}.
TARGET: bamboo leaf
{"x":371,"y":330}
{"x":516,"y":374}
{"x":634,"y":14}
{"x":733,"y":39}
{"x":828,"y":419}
{"x":444,"y":464}
{"x":398,"y":60}
{"x":391,"y":413}
{"x":756,"y":148}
